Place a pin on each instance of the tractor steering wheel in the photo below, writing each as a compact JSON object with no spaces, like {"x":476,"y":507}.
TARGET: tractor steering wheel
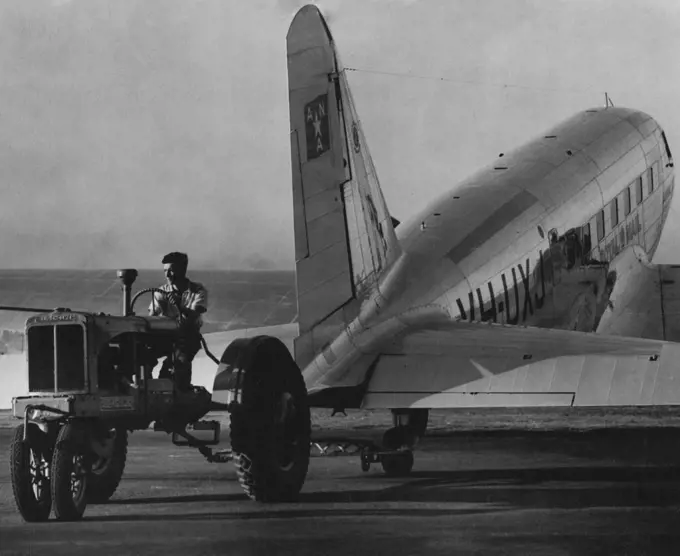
{"x":145,"y":290}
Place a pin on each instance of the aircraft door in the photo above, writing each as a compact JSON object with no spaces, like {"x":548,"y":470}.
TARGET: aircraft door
{"x":567,"y":251}
{"x":574,"y":247}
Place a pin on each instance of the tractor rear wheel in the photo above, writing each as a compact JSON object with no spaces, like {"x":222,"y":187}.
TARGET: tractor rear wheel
{"x":70,"y":473}
{"x":29,"y":464}
{"x":270,"y":424}
{"x":107,"y":470}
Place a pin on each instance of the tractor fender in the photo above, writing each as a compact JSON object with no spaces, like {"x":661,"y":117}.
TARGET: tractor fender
{"x":230,"y":376}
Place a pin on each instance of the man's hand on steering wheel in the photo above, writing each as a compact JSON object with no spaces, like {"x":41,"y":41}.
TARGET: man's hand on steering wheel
{"x":174,"y":298}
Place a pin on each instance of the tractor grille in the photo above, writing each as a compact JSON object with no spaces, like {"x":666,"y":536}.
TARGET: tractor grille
{"x":56,"y":358}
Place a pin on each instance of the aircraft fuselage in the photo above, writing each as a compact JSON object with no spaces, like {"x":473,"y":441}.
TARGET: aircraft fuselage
{"x":529,"y":240}
{"x":522,"y":240}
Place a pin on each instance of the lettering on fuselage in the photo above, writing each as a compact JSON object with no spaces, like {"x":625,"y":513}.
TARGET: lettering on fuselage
{"x":523,"y":289}
{"x":517,"y":298}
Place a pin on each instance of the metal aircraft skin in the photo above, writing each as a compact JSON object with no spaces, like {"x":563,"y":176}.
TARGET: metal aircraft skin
{"x":530,"y":283}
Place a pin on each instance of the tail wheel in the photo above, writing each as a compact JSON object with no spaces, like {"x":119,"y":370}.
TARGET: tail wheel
{"x":271,"y":428}
{"x":397,"y":465}
{"x":418,"y":421}
{"x":30,"y":473}
{"x":398,"y":440}
{"x":107,"y":470}
{"x":70,"y":473}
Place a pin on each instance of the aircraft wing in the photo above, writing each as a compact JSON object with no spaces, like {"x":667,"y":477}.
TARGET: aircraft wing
{"x":465,"y":364}
{"x":644,"y":301}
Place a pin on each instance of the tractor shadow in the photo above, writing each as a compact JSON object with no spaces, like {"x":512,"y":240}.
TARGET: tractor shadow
{"x":477,"y":491}
{"x":604,"y":468}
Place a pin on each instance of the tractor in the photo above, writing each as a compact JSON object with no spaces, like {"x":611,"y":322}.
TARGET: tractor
{"x":90,"y":383}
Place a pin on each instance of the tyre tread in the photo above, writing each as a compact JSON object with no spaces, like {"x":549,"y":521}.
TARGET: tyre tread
{"x":31,"y":510}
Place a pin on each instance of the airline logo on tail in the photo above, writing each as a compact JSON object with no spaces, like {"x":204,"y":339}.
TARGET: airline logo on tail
{"x":316,"y":127}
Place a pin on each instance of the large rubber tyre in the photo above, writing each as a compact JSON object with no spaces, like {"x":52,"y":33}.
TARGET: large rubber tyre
{"x":271,"y":427}
{"x":398,"y":465}
{"x":106,"y":473}
{"x":30,"y":473}
{"x":419,"y":419}
{"x":70,"y":473}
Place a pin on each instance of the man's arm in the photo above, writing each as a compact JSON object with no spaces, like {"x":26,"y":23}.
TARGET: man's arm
{"x":156,"y":307}
{"x":199,"y":305}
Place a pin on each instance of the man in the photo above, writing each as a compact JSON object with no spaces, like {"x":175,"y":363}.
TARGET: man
{"x":184,"y":301}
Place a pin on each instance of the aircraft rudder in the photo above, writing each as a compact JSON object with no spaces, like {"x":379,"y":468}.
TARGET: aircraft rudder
{"x":344,"y":234}
{"x":323,"y":270}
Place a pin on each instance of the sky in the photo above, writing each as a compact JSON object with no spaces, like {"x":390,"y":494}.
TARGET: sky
{"x":131,"y":128}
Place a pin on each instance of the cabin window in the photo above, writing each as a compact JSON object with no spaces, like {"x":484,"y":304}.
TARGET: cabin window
{"x":600,"y":225}
{"x":615,"y":212}
{"x":639,"y":193}
{"x":650,"y":180}
{"x":587,"y":241}
{"x":626,"y":201}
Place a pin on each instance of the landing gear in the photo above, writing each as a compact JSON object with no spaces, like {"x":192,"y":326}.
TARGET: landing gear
{"x":396,"y":454}
{"x":270,"y":419}
{"x":30,"y":473}
{"x":397,"y":465}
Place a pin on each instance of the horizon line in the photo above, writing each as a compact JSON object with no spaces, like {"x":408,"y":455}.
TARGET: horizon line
{"x":154,"y":269}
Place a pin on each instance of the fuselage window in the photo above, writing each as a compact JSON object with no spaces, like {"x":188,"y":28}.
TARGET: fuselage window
{"x":651,"y":179}
{"x":626,"y":201}
{"x":587,"y":241}
{"x":639,"y":192}
{"x":600,"y":225}
{"x":615,"y":212}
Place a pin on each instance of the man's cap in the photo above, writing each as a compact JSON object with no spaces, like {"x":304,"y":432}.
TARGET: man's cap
{"x":176,"y":258}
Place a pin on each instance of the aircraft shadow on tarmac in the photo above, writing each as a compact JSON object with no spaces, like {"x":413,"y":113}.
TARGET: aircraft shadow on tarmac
{"x":481,"y":491}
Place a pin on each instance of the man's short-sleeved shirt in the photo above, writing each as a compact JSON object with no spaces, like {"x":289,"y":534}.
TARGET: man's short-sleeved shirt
{"x":192,"y":297}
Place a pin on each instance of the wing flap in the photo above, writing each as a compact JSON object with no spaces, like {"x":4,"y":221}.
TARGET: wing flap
{"x":645,"y":299}
{"x":670,"y":301}
{"x":466,"y":365}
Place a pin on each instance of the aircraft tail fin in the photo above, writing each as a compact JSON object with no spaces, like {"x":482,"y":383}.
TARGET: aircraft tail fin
{"x":344,"y":234}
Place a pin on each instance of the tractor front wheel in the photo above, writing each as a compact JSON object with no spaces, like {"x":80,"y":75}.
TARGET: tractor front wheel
{"x":70,"y":473}
{"x":29,"y":463}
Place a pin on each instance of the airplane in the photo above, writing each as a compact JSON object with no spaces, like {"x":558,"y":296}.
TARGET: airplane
{"x":528,"y":284}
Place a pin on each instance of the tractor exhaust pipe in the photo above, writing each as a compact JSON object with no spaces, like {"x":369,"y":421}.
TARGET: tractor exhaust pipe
{"x":127,"y":277}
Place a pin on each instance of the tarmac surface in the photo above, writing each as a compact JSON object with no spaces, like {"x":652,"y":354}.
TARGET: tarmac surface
{"x":604,"y":491}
